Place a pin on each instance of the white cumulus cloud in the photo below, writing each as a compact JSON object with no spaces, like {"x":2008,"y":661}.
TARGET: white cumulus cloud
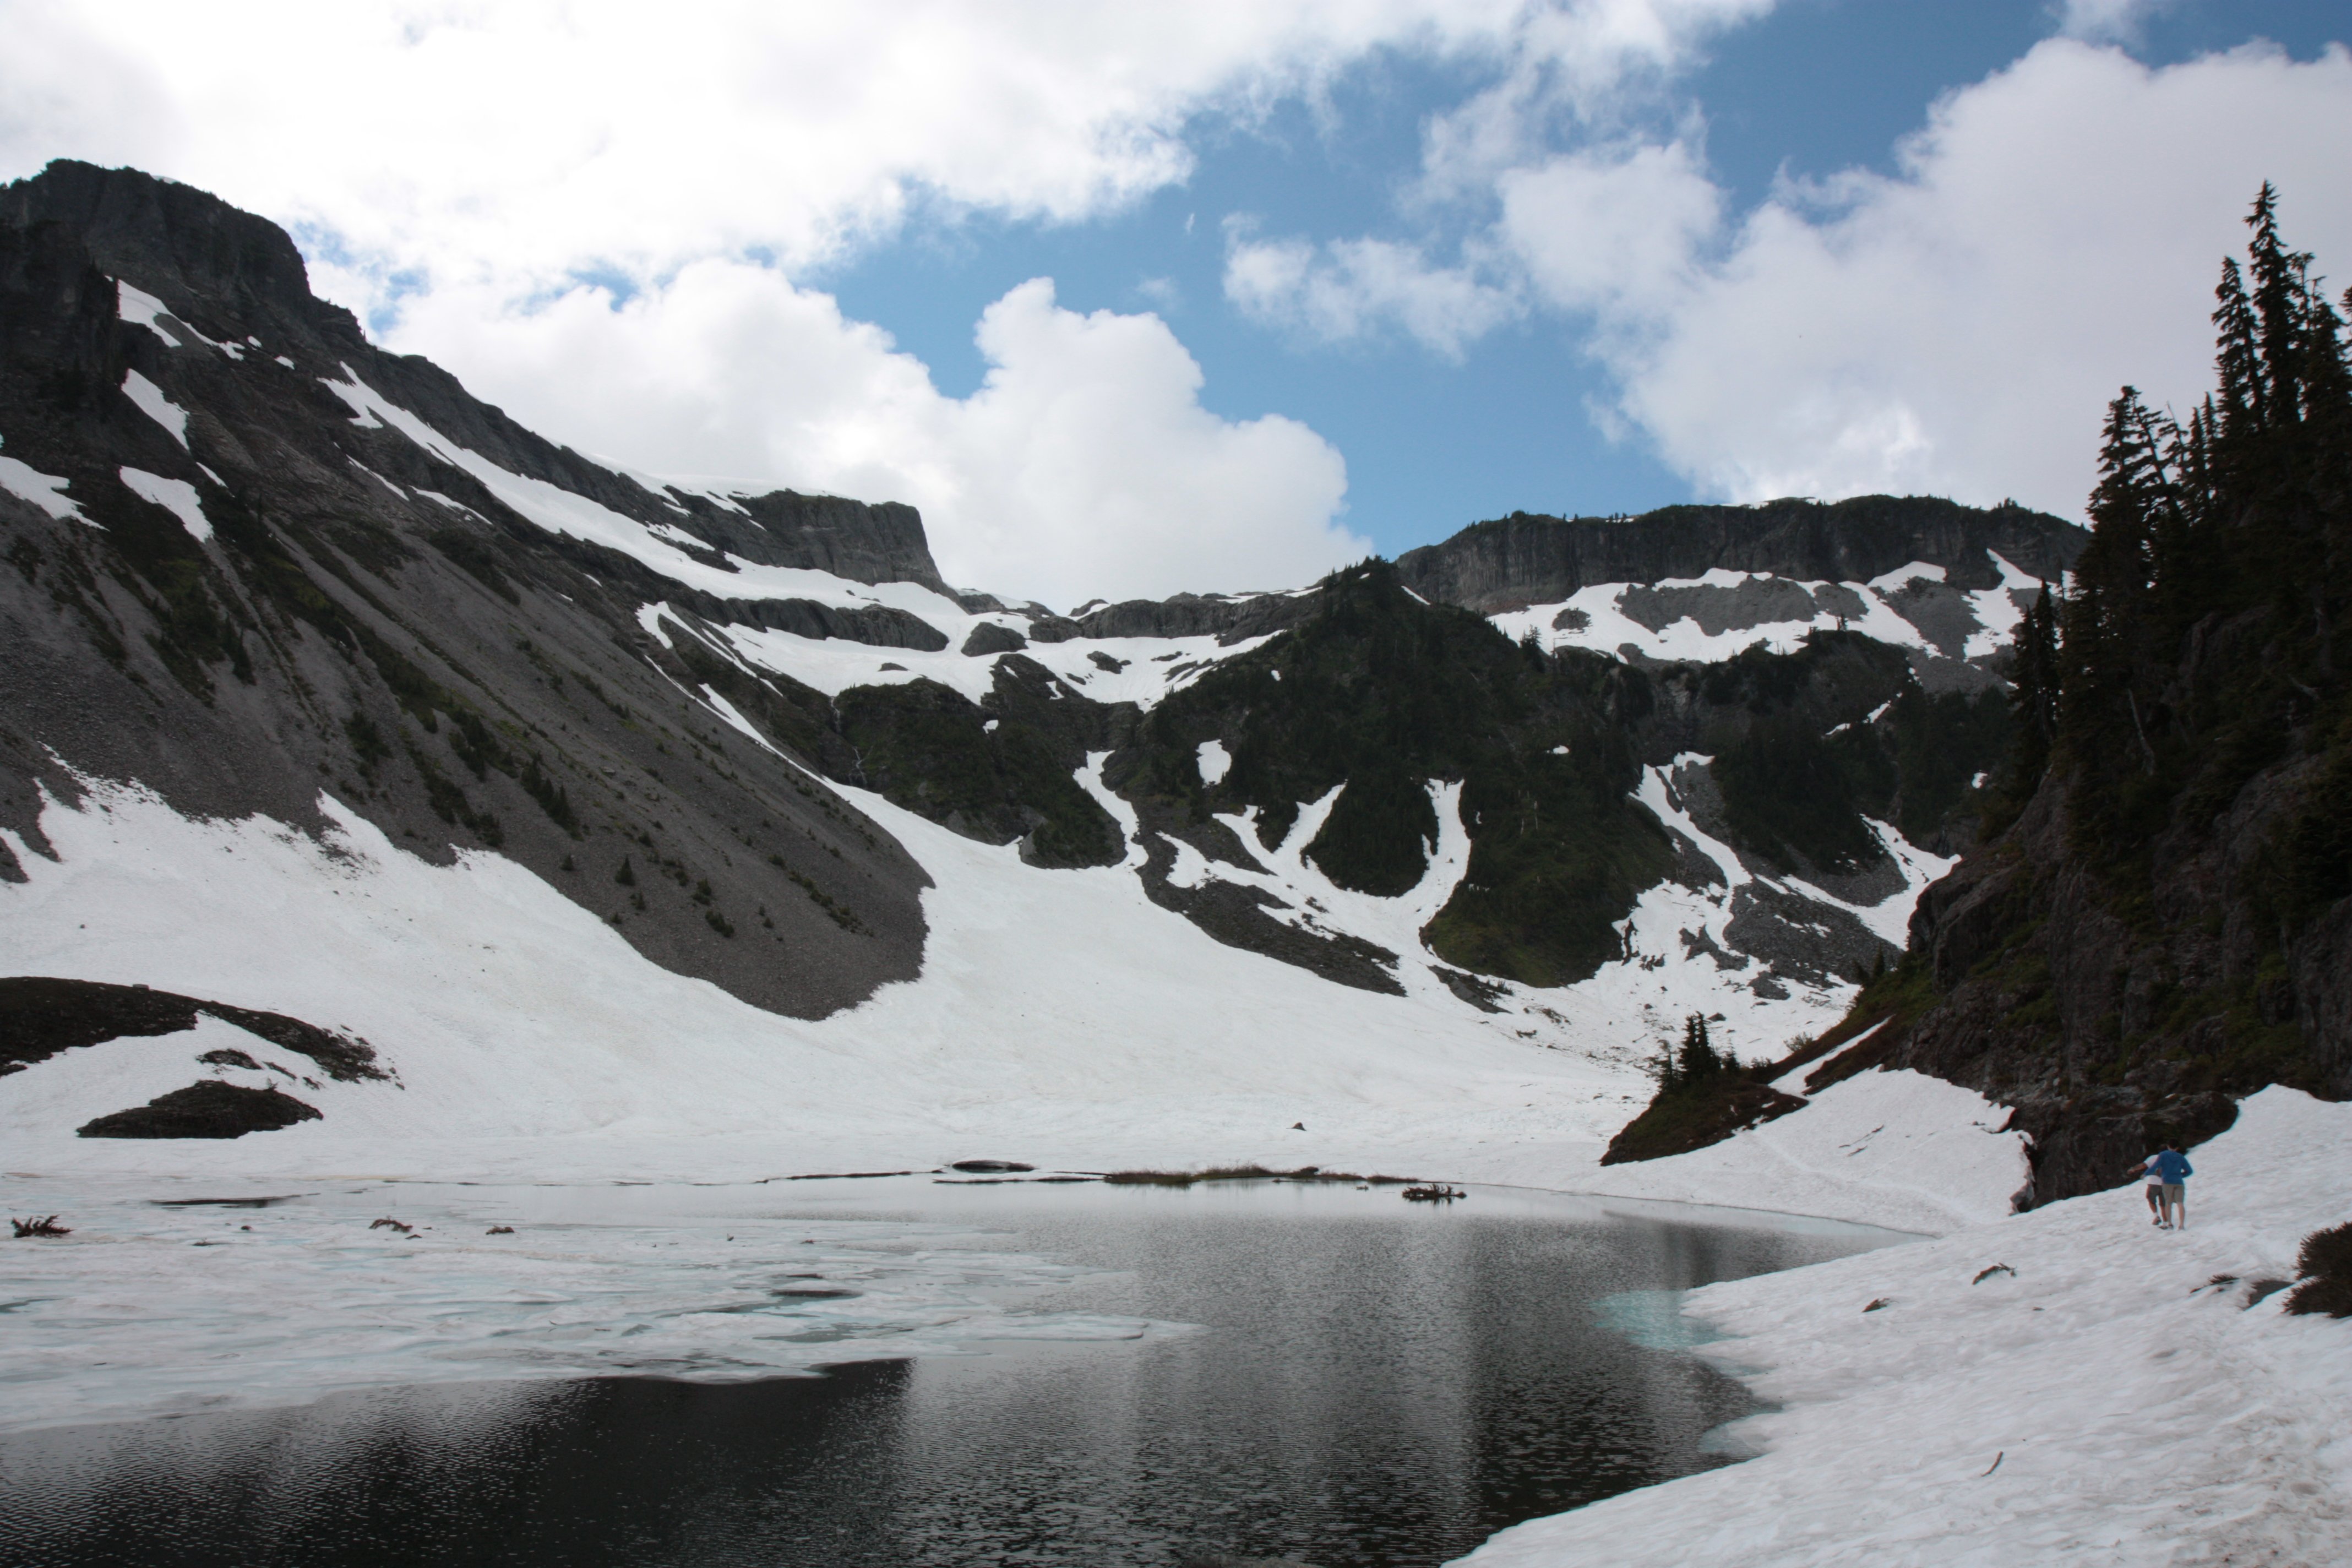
{"x":457,"y":170}
{"x":1617,"y":232}
{"x":1356,"y":289}
{"x":1957,"y":326}
{"x":1083,"y":465}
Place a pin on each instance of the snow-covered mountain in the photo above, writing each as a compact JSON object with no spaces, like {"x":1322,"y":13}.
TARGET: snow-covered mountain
{"x":569,"y":798}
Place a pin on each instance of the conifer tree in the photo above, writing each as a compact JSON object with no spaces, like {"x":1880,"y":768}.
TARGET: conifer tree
{"x":2234,"y":526}
{"x":2107,"y":616}
{"x":2236,"y":362}
{"x":2033,"y":699}
{"x":2280,"y":298}
{"x":1699,"y":1062}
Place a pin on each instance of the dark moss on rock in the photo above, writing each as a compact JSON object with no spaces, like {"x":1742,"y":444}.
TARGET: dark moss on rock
{"x":40,"y":1016}
{"x":1373,"y":692}
{"x":997,"y":772}
{"x":988,"y":638}
{"x":208,"y":1110}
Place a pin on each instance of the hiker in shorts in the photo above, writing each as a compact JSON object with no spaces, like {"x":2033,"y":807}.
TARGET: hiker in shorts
{"x":2171,"y":1170}
{"x":2152,"y":1184}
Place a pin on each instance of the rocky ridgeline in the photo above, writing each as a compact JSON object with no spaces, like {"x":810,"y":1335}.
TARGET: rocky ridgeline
{"x":325,"y":600}
{"x":1530,"y":559}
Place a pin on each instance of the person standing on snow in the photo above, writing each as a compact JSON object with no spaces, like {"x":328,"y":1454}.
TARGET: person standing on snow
{"x":2171,"y":1170}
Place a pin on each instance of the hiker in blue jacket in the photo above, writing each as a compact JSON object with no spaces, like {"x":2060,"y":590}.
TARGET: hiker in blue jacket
{"x":2169,"y":1166}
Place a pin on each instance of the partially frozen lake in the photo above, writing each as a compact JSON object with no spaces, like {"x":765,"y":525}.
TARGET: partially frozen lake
{"x":1018,"y":1373}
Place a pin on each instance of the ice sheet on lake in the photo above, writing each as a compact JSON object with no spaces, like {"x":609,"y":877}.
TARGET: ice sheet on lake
{"x":161,"y":1307}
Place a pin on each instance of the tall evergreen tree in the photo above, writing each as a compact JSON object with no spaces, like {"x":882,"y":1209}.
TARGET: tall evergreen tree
{"x":1699,"y":1061}
{"x":2281,"y":300}
{"x":2240,"y":514}
{"x":2108,"y":616}
{"x":2033,"y":698}
{"x":2237,"y":363}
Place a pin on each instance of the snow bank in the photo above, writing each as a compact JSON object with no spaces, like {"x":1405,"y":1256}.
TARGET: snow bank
{"x":2100,"y":1402}
{"x":27,"y":483}
{"x":175,"y":496}
{"x":1893,"y":1149}
{"x":150,"y":401}
{"x":1061,"y":1018}
{"x":1604,"y":625}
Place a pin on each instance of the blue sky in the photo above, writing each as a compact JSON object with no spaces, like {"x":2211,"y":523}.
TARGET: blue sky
{"x":1135,"y":299}
{"x":1817,"y":86}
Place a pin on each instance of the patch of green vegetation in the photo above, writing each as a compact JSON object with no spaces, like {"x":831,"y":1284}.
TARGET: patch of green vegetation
{"x":1379,"y":834}
{"x":1558,"y":856}
{"x":476,"y":746}
{"x":449,"y":803}
{"x":839,"y":913}
{"x":1379,"y":692}
{"x":1796,"y":796}
{"x":1704,"y":1097}
{"x":553,"y":797}
{"x":928,"y":747}
{"x":2313,"y":848}
{"x":367,"y":742}
{"x":1940,"y":745}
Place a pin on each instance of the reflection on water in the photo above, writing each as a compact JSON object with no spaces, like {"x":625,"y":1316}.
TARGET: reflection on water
{"x":1376,"y":1384}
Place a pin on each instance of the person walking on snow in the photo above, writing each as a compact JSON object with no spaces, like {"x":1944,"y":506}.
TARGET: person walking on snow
{"x":2152,"y":1184}
{"x":2169,"y":1170}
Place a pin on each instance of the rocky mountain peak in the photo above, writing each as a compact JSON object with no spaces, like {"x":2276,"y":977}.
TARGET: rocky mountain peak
{"x":187,"y":248}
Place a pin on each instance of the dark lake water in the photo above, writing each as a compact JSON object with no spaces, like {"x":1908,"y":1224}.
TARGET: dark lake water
{"x":1368,"y":1382}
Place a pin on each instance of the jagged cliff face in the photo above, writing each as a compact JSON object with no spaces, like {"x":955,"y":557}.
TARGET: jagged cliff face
{"x":1526,"y":559}
{"x":259,"y":567}
{"x":248,"y":592}
{"x":2115,"y":1023}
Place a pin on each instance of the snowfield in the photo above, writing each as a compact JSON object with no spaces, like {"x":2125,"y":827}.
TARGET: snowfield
{"x":2102,"y":1400}
{"x":1596,"y":616}
{"x":1061,"y":1018}
{"x":1895,"y":1149}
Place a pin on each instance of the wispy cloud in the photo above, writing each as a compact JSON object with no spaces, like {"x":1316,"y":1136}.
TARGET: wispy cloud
{"x":1354,"y":290}
{"x":2106,"y":21}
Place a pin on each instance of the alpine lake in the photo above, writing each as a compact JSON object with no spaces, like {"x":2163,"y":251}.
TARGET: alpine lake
{"x":1308,"y":1370}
